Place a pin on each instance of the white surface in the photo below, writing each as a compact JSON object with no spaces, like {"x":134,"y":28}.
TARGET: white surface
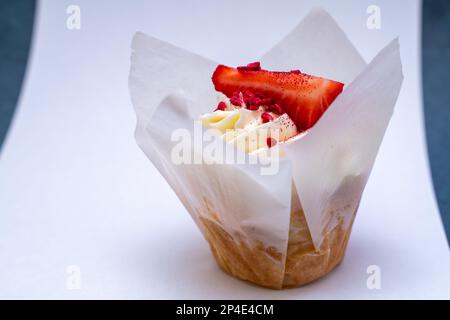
{"x":76,"y":189}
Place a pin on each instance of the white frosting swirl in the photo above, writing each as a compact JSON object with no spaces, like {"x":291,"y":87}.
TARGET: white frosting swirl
{"x":246,"y":128}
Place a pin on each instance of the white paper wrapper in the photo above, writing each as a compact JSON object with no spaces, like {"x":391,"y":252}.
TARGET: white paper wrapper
{"x":171,"y":87}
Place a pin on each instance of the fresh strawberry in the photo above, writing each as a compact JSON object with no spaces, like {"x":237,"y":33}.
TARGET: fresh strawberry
{"x":304,"y":97}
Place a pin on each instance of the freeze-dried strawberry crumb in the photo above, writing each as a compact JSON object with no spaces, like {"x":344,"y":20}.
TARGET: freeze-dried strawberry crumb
{"x":221,"y":106}
{"x":236,"y":99}
{"x":254,"y":101}
{"x":271,"y":142}
{"x":266,"y":117}
{"x":247,"y":94}
{"x":253,"y":66}
{"x":295,"y":71}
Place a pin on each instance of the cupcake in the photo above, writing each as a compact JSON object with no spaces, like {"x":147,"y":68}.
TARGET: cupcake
{"x":282,"y":217}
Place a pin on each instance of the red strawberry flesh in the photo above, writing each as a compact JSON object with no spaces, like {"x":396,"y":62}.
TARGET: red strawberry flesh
{"x":303,"y":97}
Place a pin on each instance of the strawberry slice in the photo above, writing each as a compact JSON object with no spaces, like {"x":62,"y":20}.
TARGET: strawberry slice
{"x":304,"y":97}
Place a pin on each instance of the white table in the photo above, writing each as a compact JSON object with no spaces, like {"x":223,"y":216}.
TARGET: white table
{"x":76,"y":190}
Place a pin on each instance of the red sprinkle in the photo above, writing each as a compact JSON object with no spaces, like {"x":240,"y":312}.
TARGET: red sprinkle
{"x":236,"y":99}
{"x":221,"y":106}
{"x":256,"y":66}
{"x":266,"y":117}
{"x":253,"y":66}
{"x":254,"y":100}
{"x":247,"y":94}
{"x":295,"y":71}
{"x":271,"y":142}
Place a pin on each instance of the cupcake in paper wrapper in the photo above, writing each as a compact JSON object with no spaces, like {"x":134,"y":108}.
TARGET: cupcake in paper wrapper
{"x":282,"y":229}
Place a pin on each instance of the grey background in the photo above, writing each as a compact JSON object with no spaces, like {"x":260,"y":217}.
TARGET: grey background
{"x":436,"y":87}
{"x":16,"y":25}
